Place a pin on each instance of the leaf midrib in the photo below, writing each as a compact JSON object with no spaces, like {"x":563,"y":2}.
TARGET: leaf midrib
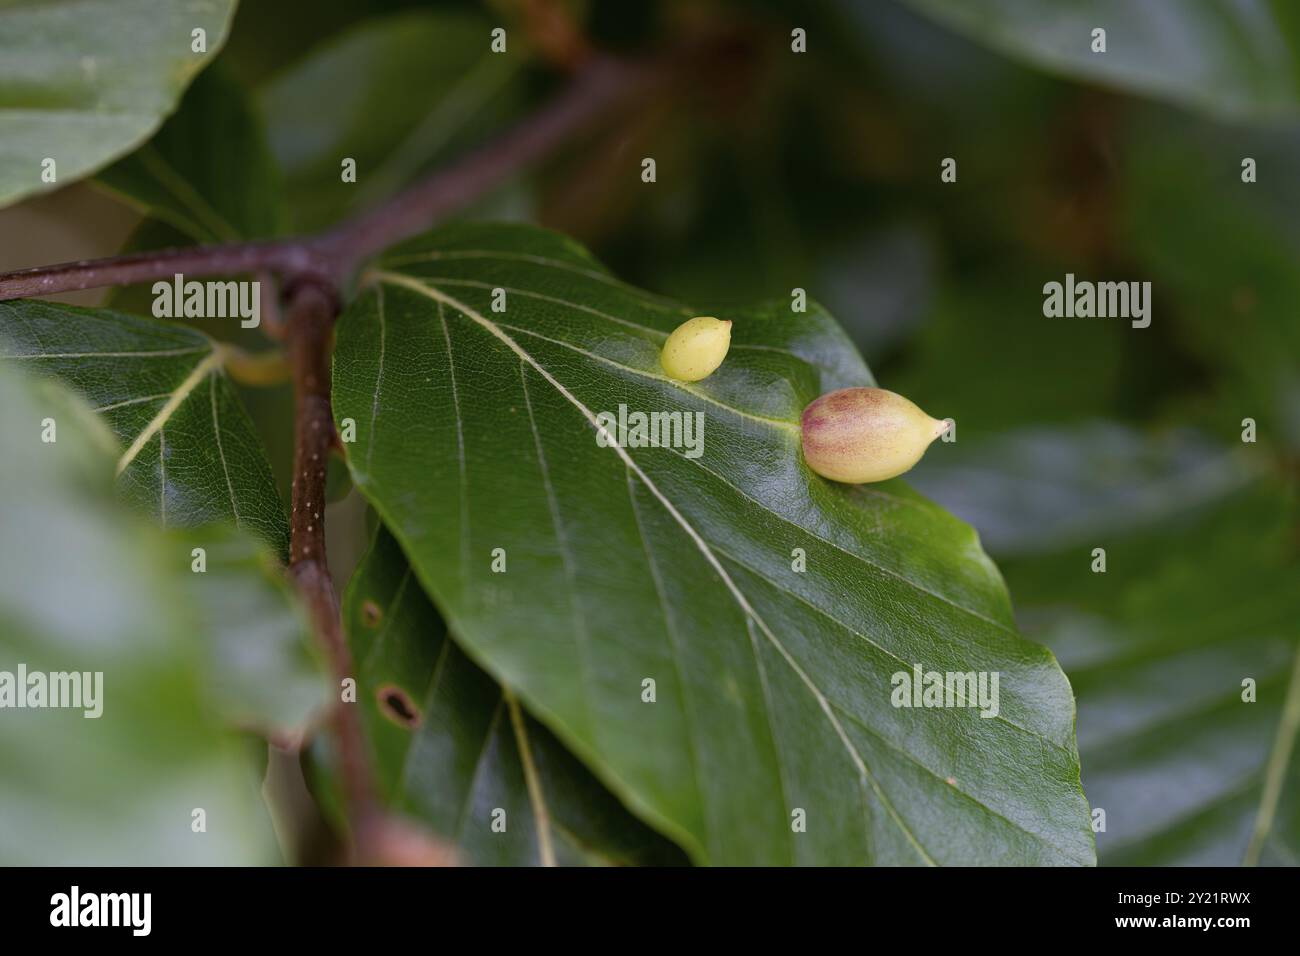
{"x":427,"y":289}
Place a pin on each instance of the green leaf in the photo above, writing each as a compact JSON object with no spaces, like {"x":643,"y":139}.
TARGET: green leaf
{"x":772,"y":687}
{"x":189,"y":452}
{"x":209,"y":171}
{"x":86,"y":587}
{"x":452,"y":745}
{"x":1235,"y":60}
{"x":263,"y":672}
{"x":394,"y":94}
{"x":1158,"y":648}
{"x":83,"y":82}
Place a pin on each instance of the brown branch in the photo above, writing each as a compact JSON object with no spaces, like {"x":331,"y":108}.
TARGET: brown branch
{"x":333,"y":256}
{"x":311,"y":312}
{"x":286,"y":256}
{"x":598,"y":87}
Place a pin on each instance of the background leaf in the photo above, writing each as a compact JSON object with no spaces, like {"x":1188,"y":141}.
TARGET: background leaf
{"x":450,"y":741}
{"x":85,"y":81}
{"x":208,"y":172}
{"x":264,"y":673}
{"x":85,"y":587}
{"x":1232,"y":59}
{"x":395,"y":94}
{"x":773,"y":687}
{"x":1157,"y":649}
{"x":1197,"y":595}
{"x":1045,"y":489}
{"x":189,"y":453}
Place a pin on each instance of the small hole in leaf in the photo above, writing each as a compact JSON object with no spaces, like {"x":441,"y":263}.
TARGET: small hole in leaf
{"x":397,"y":706}
{"x":371,"y":615}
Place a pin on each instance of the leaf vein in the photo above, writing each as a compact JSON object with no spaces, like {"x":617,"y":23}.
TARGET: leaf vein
{"x":221,"y":452}
{"x":178,"y":397}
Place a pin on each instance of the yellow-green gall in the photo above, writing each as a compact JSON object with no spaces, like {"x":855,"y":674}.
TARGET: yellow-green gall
{"x":857,"y":435}
{"x":696,"y":348}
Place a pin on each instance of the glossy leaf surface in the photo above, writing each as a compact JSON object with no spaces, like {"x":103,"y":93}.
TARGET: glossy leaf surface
{"x":456,"y":751}
{"x":769,"y":608}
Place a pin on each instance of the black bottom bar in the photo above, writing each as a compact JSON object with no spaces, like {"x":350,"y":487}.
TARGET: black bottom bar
{"x":339,"y":906}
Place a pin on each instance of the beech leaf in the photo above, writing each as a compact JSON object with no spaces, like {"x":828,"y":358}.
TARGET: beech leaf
{"x":83,"y":82}
{"x":715,"y":636}
{"x":190,"y":454}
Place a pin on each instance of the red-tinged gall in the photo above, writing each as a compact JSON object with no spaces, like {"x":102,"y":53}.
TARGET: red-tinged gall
{"x":858,"y":435}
